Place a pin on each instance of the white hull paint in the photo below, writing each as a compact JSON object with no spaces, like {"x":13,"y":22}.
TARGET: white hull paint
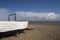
{"x":12,"y":25}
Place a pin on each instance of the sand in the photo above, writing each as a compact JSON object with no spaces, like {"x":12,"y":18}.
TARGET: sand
{"x":38,"y":32}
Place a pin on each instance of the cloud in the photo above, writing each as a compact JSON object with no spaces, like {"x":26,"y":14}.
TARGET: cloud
{"x":30,"y":16}
{"x":3,"y":11}
{"x":38,"y":16}
{"x":3,"y":14}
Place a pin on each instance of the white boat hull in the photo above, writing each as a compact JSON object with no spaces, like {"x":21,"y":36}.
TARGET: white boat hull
{"x":12,"y":25}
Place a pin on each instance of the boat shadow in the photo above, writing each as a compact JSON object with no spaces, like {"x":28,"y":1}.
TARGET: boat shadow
{"x":13,"y":33}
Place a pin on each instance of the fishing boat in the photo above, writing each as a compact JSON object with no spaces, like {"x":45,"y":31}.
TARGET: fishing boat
{"x":10,"y":26}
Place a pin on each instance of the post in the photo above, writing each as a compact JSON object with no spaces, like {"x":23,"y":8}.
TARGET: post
{"x":11,"y":15}
{"x":8,"y":17}
{"x":15,"y":16}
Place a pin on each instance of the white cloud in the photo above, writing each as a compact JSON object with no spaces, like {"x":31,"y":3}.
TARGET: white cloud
{"x":30,"y":16}
{"x":4,"y":11}
{"x":3,"y":14}
{"x":37,"y":16}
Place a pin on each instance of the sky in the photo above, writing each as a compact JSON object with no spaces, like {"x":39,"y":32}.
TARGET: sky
{"x":31,"y":10}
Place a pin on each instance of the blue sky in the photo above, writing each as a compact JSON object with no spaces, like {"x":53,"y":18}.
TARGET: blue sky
{"x":31,"y":5}
{"x":34,"y":7}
